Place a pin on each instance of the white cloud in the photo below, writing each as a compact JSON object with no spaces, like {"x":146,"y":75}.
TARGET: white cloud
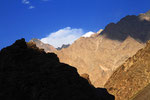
{"x":25,"y":2}
{"x":88,"y":34}
{"x":63,"y":36}
{"x":28,"y":3}
{"x":31,"y":7}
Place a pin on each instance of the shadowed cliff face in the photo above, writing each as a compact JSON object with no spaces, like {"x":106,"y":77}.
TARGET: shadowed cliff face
{"x":137,"y":27}
{"x":28,"y":73}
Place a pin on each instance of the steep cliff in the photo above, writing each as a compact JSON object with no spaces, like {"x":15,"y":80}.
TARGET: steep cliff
{"x":132,"y":76}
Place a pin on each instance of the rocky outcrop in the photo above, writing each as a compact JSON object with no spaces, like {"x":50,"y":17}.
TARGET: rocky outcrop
{"x":28,"y":73}
{"x":86,"y":76}
{"x":46,"y":47}
{"x":132,"y":76}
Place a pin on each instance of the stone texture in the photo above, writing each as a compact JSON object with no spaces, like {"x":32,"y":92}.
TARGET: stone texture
{"x":132,"y":76}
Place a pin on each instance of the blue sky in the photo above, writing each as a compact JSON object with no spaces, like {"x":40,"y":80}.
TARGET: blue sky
{"x":39,"y":18}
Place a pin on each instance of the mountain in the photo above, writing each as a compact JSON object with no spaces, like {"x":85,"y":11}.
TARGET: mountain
{"x":46,"y":47}
{"x":28,"y":73}
{"x":100,"y":54}
{"x":63,"y":46}
{"x":132,"y":78}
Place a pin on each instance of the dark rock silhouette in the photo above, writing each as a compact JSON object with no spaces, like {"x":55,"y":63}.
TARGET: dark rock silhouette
{"x":137,"y":27}
{"x":28,"y":73}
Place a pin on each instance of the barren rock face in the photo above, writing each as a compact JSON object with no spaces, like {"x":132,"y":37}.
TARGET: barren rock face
{"x":98,"y":56}
{"x":28,"y":73}
{"x":132,"y":76}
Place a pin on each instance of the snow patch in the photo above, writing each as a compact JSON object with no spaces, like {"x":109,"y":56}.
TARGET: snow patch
{"x":88,"y":34}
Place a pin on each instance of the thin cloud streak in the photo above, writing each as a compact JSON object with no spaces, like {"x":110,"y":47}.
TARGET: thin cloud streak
{"x":27,"y":2}
{"x":31,"y":7}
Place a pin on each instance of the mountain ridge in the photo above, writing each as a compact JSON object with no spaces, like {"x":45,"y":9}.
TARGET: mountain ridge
{"x":135,"y":26}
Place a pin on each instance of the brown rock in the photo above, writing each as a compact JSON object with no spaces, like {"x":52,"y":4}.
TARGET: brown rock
{"x":132,"y":76}
{"x":86,"y":76}
{"x":98,"y":56}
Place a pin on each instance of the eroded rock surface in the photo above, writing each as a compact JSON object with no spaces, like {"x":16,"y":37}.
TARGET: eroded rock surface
{"x":132,"y":76}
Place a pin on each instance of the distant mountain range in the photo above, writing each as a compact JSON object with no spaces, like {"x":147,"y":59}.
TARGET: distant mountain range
{"x":63,"y":46}
{"x":46,"y":47}
{"x":102,"y":53}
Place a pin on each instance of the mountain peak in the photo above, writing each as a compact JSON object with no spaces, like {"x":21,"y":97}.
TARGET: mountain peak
{"x":148,"y":12}
{"x":145,"y":16}
{"x":35,"y":40}
{"x":135,"y":26}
